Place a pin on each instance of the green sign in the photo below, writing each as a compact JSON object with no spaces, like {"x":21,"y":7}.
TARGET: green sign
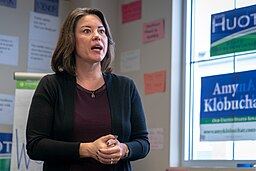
{"x":27,"y":84}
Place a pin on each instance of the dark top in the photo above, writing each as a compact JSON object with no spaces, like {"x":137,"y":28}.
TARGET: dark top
{"x":50,"y":124}
{"x":92,"y":120}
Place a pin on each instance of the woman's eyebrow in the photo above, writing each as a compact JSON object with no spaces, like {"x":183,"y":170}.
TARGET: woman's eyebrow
{"x":91,"y":26}
{"x":86,"y":26}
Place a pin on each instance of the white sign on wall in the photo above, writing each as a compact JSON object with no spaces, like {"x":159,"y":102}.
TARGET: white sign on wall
{"x":6,"y":109}
{"x":9,"y":50}
{"x":43,"y":35}
{"x":130,"y":61}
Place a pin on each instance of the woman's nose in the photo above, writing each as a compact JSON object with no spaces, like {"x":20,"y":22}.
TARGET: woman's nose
{"x":96,"y":36}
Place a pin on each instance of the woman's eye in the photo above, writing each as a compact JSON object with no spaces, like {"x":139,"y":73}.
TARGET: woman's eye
{"x":102,"y":31}
{"x":86,"y":30}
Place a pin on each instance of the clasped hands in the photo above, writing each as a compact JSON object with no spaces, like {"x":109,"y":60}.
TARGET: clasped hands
{"x":106,"y":149}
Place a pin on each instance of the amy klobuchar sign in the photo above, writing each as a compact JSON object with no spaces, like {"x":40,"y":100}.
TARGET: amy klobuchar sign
{"x":228,"y":107}
{"x":233,"y":31}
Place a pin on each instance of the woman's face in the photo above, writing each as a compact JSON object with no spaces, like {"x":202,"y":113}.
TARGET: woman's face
{"x":91,"y":39}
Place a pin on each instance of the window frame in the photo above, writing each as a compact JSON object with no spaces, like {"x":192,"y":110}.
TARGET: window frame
{"x":187,"y":104}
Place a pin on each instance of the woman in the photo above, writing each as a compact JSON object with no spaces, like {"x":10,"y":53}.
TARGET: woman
{"x":84,"y":117}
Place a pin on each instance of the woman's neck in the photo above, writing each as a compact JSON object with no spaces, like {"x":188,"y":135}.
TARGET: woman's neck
{"x":89,"y":79}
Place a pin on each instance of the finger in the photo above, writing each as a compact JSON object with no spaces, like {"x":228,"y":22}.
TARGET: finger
{"x":111,"y":150}
{"x":108,"y":161}
{"x":107,"y":137}
{"x":106,"y":157}
{"x":112,"y":142}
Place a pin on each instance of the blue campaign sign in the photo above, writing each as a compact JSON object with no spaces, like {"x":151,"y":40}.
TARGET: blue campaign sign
{"x":227,"y":23}
{"x":233,"y":31}
{"x":50,"y":7}
{"x":228,"y":96}
{"x":5,"y":143}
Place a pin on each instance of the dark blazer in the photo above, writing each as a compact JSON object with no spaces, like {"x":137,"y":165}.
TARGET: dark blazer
{"x":50,"y":121}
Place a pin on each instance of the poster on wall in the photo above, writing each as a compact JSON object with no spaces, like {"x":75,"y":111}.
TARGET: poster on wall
{"x":8,"y":3}
{"x":130,"y":60}
{"x":43,"y":35}
{"x":233,"y":31}
{"x":23,"y":96}
{"x":155,"y":82}
{"x":50,"y":7}
{"x":9,"y":50}
{"x":131,"y":11}
{"x":6,"y":109}
{"x":228,"y":107}
{"x":156,"y":138}
{"x":153,"y":31}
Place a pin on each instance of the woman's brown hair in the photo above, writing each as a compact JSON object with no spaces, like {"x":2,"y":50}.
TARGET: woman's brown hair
{"x":63,"y":58}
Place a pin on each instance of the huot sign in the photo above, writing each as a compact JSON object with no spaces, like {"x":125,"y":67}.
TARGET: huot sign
{"x":5,"y":151}
{"x":228,"y":107}
{"x":233,"y":31}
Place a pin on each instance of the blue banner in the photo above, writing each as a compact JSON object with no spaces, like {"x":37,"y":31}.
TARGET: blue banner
{"x":228,"y":95}
{"x":233,"y":31}
{"x":5,"y":143}
{"x":227,"y":23}
{"x":5,"y":151}
{"x":228,"y":107}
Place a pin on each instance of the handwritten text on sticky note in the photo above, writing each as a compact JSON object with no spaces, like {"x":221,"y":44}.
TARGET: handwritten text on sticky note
{"x":154,"y":82}
{"x":131,"y":11}
{"x":153,"y":30}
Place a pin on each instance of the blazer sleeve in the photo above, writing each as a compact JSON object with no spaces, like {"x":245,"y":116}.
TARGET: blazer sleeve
{"x":138,"y":144}
{"x":43,"y":143}
{"x":128,"y":117}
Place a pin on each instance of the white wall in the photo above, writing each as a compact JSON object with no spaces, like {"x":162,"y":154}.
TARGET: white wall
{"x":155,"y":56}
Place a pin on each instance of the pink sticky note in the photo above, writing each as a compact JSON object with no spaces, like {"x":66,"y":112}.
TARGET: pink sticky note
{"x":156,"y":138}
{"x":154,"y":82}
{"x":131,"y":11}
{"x":153,"y":30}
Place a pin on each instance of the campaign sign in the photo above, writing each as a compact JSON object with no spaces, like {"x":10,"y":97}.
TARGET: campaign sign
{"x":5,"y":150}
{"x":233,"y":31}
{"x":228,"y":107}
